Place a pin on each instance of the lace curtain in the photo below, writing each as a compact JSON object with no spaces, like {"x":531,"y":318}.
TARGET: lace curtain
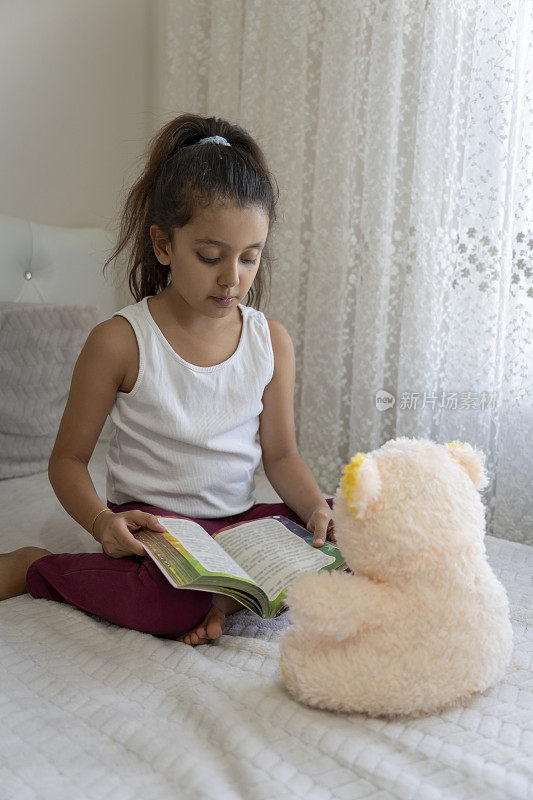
{"x":401,"y":137}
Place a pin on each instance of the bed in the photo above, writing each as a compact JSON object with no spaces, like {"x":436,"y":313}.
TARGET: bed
{"x":91,"y":710}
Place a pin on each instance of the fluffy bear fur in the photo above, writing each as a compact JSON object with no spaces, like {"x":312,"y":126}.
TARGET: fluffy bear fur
{"x":423,"y":622}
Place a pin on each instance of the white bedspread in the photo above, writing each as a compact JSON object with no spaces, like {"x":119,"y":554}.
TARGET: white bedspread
{"x":91,"y":710}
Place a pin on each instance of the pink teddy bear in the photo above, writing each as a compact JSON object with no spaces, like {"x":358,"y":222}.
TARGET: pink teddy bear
{"x":423,"y":622}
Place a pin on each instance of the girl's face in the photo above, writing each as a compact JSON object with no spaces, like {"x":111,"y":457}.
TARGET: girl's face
{"x":223,"y":267}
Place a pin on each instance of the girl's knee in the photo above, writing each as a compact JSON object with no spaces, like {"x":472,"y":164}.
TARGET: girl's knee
{"x":34,"y":553}
{"x":164,"y":610}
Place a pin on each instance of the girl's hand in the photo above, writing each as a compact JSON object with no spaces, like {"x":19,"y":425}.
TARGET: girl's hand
{"x":113,"y":531}
{"x":320,"y":524}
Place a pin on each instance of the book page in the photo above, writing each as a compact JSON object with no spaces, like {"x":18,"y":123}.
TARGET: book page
{"x":199,"y":543}
{"x":271,"y":554}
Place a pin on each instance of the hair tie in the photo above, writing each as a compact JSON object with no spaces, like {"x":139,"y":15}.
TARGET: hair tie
{"x":217,"y":139}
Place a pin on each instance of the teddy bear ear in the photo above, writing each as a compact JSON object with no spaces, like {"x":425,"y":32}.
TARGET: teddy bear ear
{"x":361,"y":484}
{"x":472,"y":460}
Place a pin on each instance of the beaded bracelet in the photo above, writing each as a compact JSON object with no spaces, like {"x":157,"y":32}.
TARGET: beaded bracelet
{"x":96,"y":517}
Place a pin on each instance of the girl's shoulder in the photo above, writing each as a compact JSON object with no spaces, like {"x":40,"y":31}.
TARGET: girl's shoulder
{"x":273,"y":324}
{"x":120,"y":342}
{"x":277,"y":328}
{"x":278,"y":331}
{"x":117,"y":327}
{"x":280,"y":338}
{"x":118,"y":334}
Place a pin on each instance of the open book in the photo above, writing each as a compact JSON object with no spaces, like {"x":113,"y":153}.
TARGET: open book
{"x":254,"y":562}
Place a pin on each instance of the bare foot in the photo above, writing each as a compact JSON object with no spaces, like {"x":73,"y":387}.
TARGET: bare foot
{"x":212,"y":626}
{"x":13,"y":569}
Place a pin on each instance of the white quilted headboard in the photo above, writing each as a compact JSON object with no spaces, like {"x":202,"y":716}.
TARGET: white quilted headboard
{"x":50,"y":264}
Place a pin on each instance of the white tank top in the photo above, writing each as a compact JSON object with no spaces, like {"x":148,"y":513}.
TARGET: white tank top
{"x":186,"y":437}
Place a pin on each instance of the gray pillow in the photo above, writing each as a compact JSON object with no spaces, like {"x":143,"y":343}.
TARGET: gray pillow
{"x":39,"y":346}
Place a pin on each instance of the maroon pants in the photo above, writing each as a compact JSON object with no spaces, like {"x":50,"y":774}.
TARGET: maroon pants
{"x":131,"y":591}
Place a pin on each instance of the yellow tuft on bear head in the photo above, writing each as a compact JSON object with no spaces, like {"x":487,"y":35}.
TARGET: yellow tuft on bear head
{"x":472,"y":460}
{"x":349,"y":479}
{"x":455,"y":443}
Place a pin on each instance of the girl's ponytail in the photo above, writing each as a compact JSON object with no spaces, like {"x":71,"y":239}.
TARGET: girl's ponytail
{"x":177,"y":179}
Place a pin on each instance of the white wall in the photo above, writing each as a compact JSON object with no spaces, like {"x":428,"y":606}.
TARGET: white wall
{"x":76,"y":100}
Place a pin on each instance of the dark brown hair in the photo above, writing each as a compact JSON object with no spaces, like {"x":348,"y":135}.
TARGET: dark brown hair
{"x":180,"y":176}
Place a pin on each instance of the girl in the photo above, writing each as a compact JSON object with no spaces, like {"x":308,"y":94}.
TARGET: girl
{"x":189,"y":376}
